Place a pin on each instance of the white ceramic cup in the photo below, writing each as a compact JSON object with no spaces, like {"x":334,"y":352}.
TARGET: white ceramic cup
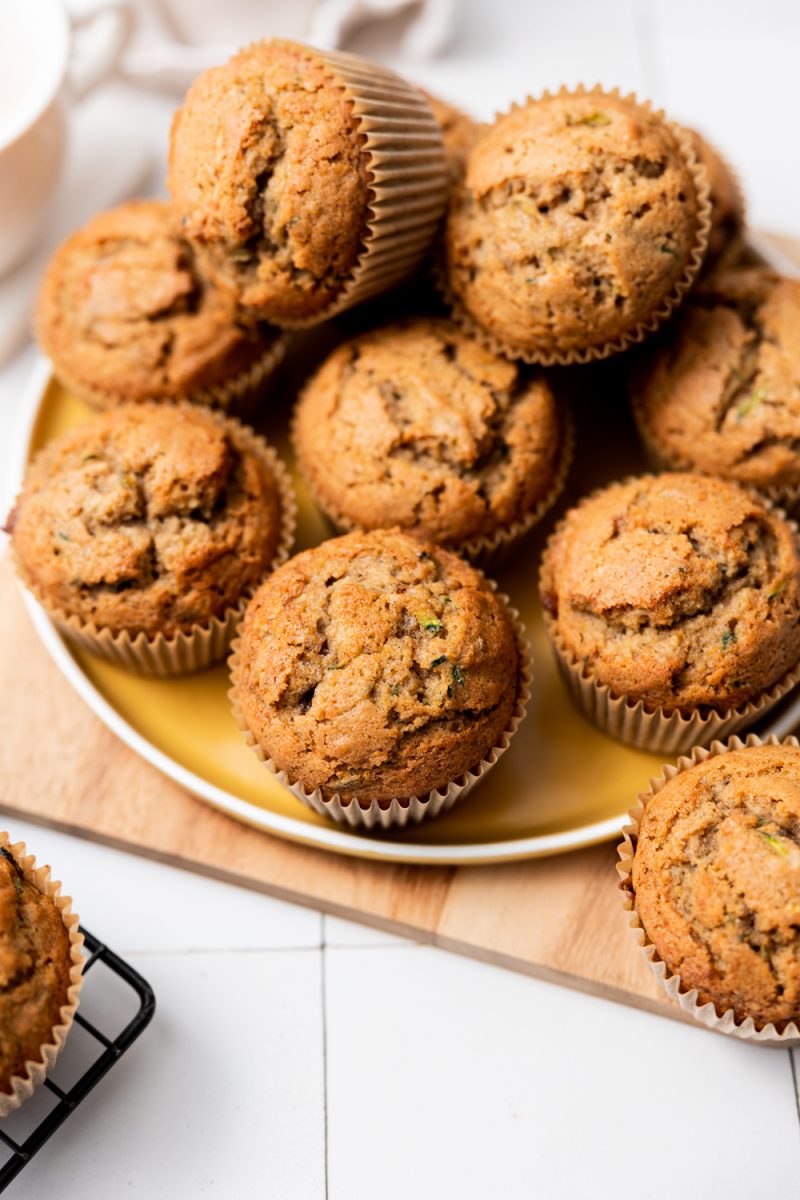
{"x":41,"y":73}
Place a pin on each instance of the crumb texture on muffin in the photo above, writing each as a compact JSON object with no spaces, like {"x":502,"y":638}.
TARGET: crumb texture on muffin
{"x":677,"y":590}
{"x":124,"y":312}
{"x":378,"y":666}
{"x":35,"y":964}
{"x":716,"y":878}
{"x":418,"y":425}
{"x":147,"y":519}
{"x":577,"y":218}
{"x":722,"y":392}
{"x":268,"y":169}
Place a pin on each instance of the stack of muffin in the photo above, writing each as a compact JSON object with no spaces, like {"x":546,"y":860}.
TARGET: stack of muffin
{"x":380,"y":675}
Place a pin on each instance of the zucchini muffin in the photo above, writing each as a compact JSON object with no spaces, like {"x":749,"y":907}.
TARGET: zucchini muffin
{"x":35,"y":966}
{"x":716,"y":880}
{"x":721,"y":394}
{"x":418,"y":425}
{"x":459,"y":133}
{"x":676,"y":590}
{"x":126,"y":315}
{"x":291,"y":170}
{"x":581,"y":220}
{"x":726,"y":236}
{"x":149,"y":520}
{"x":376,"y":667}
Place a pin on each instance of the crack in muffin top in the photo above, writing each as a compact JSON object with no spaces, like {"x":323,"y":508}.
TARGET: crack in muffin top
{"x":147,"y":519}
{"x":418,"y":425}
{"x":124,"y":310}
{"x":576,"y":219}
{"x":722,"y":394}
{"x":376,"y":665}
{"x":269,"y":171}
{"x":679,"y":590}
{"x":716,"y":876}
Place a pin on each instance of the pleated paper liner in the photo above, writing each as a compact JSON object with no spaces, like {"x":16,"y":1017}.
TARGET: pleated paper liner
{"x":408,"y":177}
{"x":22,"y":1086}
{"x":548,"y":357}
{"x":399,"y":812}
{"x":688,"y":999}
{"x":206,"y":644}
{"x":486,"y":550}
{"x":733,"y":250}
{"x":656,"y":727}
{"x":237,"y":394}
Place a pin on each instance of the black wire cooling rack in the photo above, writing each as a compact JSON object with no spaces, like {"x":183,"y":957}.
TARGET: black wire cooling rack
{"x":16,"y":1154}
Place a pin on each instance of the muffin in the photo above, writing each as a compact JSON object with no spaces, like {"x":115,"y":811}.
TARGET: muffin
{"x":459,"y":133}
{"x":674,"y":593}
{"x":148,"y":526}
{"x":721,"y":393}
{"x":125,"y":314}
{"x":378,"y":671}
{"x":726,"y":236}
{"x":418,"y":425}
{"x":40,"y":973}
{"x":581,"y":221}
{"x":292,"y":170}
{"x":712,"y":870}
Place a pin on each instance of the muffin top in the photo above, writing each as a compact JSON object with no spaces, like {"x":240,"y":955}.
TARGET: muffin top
{"x":417,"y":425}
{"x":716,"y":876}
{"x":459,"y":133}
{"x":268,"y":170}
{"x":376,"y":665}
{"x":124,"y":311}
{"x":676,"y":589}
{"x":147,"y":519}
{"x":722,"y":394}
{"x":34,"y":969}
{"x":577,"y":218}
{"x":727,"y":204}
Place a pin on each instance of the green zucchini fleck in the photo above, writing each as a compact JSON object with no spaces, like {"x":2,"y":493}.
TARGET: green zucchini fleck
{"x":775,"y":843}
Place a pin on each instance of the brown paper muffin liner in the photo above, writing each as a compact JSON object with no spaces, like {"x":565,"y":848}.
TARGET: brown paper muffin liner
{"x":23,"y":1086}
{"x":204,"y":645}
{"x":655,"y":727}
{"x":688,"y":999}
{"x":399,"y":812}
{"x":235,"y":394}
{"x":649,"y":324}
{"x":484,"y":550}
{"x":408,"y":177}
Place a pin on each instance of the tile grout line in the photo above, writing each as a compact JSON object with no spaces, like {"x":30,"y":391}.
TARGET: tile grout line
{"x":324,"y":997}
{"x":794,"y":1081}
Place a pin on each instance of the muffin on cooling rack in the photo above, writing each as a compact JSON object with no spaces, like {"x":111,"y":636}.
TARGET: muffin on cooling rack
{"x":581,"y":221}
{"x":673,"y":604}
{"x":418,"y":425}
{"x":378,"y":674}
{"x":294,"y":170}
{"x":720,"y":391}
{"x":143,"y":530}
{"x":125,"y":314}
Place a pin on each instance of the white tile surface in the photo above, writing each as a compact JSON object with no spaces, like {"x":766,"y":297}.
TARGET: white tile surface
{"x":222,"y":1096}
{"x":337,"y":932}
{"x":135,"y":904}
{"x":482,"y":1084}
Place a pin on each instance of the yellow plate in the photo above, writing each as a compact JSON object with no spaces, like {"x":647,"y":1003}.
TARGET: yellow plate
{"x":561,"y":785}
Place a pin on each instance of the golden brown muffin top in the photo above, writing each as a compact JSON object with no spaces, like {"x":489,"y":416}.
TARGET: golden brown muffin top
{"x":727,"y":204}
{"x":34,"y":969}
{"x":676,"y":589}
{"x":147,"y":519}
{"x":716,"y":876}
{"x":721,"y":393}
{"x":377,"y":665}
{"x":268,"y":169}
{"x":124,"y":310}
{"x":419,"y":426}
{"x":459,"y":132}
{"x":576,"y":219}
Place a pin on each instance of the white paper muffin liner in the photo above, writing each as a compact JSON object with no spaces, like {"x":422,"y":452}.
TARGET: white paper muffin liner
{"x":687,"y":999}
{"x":399,"y":812}
{"x":23,"y":1086}
{"x":206,"y":644}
